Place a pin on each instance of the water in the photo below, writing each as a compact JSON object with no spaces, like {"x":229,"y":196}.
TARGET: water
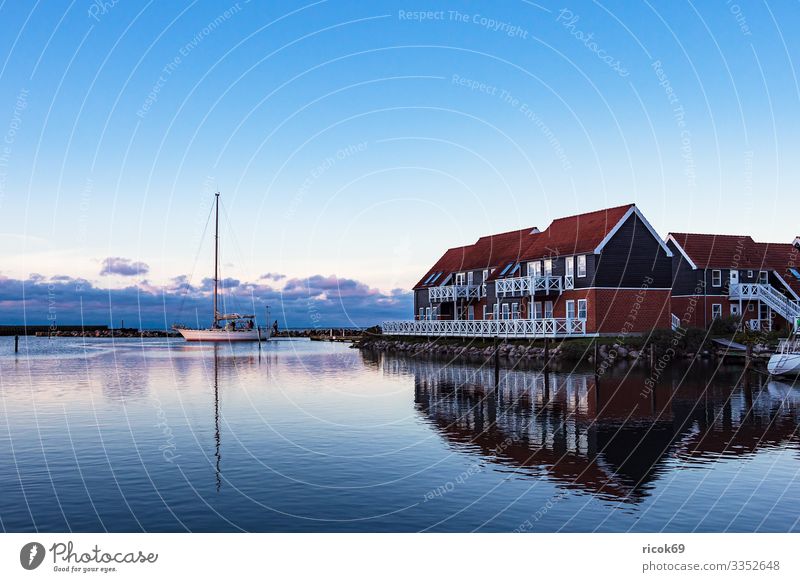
{"x":157,"y":435}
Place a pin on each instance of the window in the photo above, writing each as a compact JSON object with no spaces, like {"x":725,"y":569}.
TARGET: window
{"x":581,"y":265}
{"x":471,"y":313}
{"x":535,"y":268}
{"x":505,"y":311}
{"x":582,"y":309}
{"x":427,"y":313}
{"x":537,"y":310}
{"x":470,"y":278}
{"x":495,"y":309}
{"x":484,"y":312}
{"x":734,"y":309}
{"x":763,"y":277}
{"x":569,"y":266}
{"x":548,"y":267}
{"x":434,"y":313}
{"x":570,"y":309}
{"x":548,"y":309}
{"x":750,"y":274}
{"x":435,"y":277}
{"x":421,"y":313}
{"x":795,"y":273}
{"x":516,"y":269}
{"x":716,"y":310}
{"x":429,"y":279}
{"x":485,"y":275}
{"x":750,"y":307}
{"x":504,"y":271}
{"x":515,"y":311}
{"x":460,"y":278}
{"x":716,"y":279}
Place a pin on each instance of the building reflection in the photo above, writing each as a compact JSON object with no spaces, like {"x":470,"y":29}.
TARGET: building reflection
{"x":608,"y":436}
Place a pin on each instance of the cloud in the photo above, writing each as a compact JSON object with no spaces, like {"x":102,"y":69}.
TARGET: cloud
{"x":124,"y":267}
{"x":313,"y":302}
{"x":273,"y":276}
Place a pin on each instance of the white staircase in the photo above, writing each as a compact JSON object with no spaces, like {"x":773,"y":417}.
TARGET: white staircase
{"x":777,"y":301}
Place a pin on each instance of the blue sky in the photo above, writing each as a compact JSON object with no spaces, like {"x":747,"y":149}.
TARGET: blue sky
{"x":358,"y":140}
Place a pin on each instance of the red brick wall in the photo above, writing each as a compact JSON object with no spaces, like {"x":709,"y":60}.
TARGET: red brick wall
{"x":630,"y":310}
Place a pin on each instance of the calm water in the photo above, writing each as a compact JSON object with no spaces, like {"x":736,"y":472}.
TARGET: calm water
{"x":156,"y":435}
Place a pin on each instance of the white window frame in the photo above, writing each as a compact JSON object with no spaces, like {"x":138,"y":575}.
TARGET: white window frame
{"x":750,"y":274}
{"x":716,"y":278}
{"x":537,"y":268}
{"x":570,"y":309}
{"x":421,"y":313}
{"x":538,"y":311}
{"x":584,"y":309}
{"x":428,"y":313}
{"x":470,"y":277}
{"x":434,"y":314}
{"x":504,"y":311}
{"x":735,"y":309}
{"x":485,"y":276}
{"x":716,"y":308}
{"x":470,"y":312}
{"x":515,"y":311}
{"x":484,"y":311}
{"x":548,"y":310}
{"x":548,"y":267}
{"x":581,"y":266}
{"x":763,"y":277}
{"x":496,"y":311}
{"x":460,"y":277}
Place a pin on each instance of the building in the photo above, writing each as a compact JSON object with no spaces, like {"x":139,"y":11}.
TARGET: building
{"x":733,"y":275}
{"x":604,"y":272}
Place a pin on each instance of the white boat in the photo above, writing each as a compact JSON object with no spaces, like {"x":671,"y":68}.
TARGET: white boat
{"x":786,"y":361}
{"x":236,"y":327}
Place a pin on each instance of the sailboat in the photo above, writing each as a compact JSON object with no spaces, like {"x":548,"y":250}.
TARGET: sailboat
{"x":786,"y":361}
{"x":226,"y":327}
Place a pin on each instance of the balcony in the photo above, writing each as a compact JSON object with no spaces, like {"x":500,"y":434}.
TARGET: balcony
{"x":453,"y":292}
{"x":530,"y":285}
{"x":506,"y":328}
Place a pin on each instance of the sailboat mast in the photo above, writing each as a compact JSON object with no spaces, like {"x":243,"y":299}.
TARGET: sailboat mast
{"x":216,"y":258}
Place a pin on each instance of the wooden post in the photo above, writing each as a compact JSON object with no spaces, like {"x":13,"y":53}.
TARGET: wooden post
{"x":496,"y":364}
{"x":652,"y":355}
{"x":16,"y":344}
{"x":748,"y":358}
{"x":546,"y":353}
{"x":596,"y":357}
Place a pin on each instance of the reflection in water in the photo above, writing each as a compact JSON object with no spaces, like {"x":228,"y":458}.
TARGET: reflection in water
{"x":216,"y":418}
{"x":606,"y":436}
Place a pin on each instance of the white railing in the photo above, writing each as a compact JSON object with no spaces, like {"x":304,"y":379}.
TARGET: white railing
{"x":569,"y":281}
{"x":513,"y":328}
{"x":453,"y":292}
{"x":777,"y":301}
{"x":676,"y":322}
{"x":789,"y":346}
{"x":527,"y":285}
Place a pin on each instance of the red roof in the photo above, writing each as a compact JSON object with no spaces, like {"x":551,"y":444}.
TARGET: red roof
{"x":723,"y":251}
{"x":577,"y":234}
{"x":581,"y":233}
{"x":486,"y":253}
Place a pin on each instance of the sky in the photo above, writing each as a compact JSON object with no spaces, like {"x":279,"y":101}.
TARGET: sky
{"x":353,"y":142}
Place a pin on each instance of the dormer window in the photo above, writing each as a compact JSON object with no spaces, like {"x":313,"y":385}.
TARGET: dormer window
{"x":716,"y":278}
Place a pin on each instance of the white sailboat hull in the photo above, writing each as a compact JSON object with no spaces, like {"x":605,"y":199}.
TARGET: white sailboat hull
{"x":784,"y":364}
{"x":222,"y":335}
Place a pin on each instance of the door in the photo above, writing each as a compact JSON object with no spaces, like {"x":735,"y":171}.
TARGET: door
{"x":569,"y":273}
{"x":734,"y":278}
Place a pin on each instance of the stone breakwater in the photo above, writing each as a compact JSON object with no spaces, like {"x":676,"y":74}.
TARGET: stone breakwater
{"x":558,"y":350}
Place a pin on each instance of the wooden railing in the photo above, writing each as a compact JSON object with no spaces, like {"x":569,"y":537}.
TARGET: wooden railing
{"x":527,"y":285}
{"x":512,"y":328}
{"x":453,"y":292}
